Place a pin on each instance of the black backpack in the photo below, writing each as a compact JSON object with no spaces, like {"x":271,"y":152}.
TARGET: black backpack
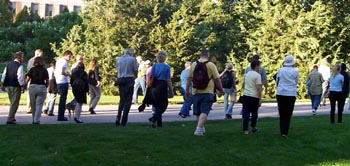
{"x":200,"y":76}
{"x":227,"y":80}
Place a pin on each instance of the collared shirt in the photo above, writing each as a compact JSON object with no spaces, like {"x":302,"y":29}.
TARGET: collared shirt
{"x":126,"y":66}
{"x":287,"y":79}
{"x":183,"y":77}
{"x":251,"y":80}
{"x":336,"y":83}
{"x":20,"y":74}
{"x":61,"y":64}
{"x":262,"y":72}
{"x":212,"y":73}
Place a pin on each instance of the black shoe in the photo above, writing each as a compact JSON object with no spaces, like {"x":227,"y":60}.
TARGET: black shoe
{"x":117,"y":122}
{"x":228,"y":116}
{"x":63,"y":119}
{"x":182,"y":116}
{"x":51,"y":114}
{"x":45,"y":111}
{"x":77,"y":120}
{"x":10,"y":122}
{"x":36,"y":123}
{"x":142,"y":107}
{"x":29,"y":112}
{"x":255,"y":130}
{"x":92,"y":111}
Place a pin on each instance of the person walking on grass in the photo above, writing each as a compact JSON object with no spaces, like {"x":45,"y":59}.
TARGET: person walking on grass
{"x":251,"y":97}
{"x":228,"y":80}
{"x":314,"y":85}
{"x":287,"y":81}
{"x":202,"y":76}
{"x":345,"y":88}
{"x":61,"y":75}
{"x":127,"y":71}
{"x":37,"y":53}
{"x":13,"y":80}
{"x":38,"y":78}
{"x":94,"y":85}
{"x":79,"y":87}
{"x":186,"y":106}
{"x":336,"y":82}
{"x":52,"y":90}
{"x":161,"y":86}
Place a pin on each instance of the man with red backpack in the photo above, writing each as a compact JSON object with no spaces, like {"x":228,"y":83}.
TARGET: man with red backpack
{"x":202,"y":76}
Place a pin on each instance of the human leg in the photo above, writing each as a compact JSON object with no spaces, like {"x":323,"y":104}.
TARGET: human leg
{"x":14,"y":94}
{"x":39,"y":101}
{"x":63,"y":91}
{"x":136,"y":88}
{"x":332,"y":99}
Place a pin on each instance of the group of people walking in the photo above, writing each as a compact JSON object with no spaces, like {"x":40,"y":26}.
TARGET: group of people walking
{"x":41,"y":82}
{"x":200,"y":81}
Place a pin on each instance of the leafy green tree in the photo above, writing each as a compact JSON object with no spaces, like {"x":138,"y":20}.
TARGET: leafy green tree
{"x":5,"y":13}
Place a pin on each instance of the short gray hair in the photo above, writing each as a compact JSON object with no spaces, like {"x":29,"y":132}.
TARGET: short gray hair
{"x":129,"y":51}
{"x":161,"y":56}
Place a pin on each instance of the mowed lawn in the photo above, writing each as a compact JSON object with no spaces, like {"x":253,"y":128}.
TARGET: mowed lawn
{"x":312,"y":141}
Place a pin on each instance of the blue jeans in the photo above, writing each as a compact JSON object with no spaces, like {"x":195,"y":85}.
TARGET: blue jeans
{"x":140,"y":81}
{"x":185,"y":109}
{"x":63,"y":91}
{"x":315,"y":101}
{"x":202,"y":103}
{"x":50,"y":105}
{"x":228,"y":105}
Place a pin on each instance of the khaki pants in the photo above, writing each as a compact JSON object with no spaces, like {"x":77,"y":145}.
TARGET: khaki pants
{"x":14,"y":94}
{"x":37,"y":95}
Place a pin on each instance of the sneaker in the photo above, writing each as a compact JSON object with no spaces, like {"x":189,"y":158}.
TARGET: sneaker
{"x":45,"y":111}
{"x":92,"y":111}
{"x":51,"y":114}
{"x":198,"y":133}
{"x":255,"y":130}
{"x":314,"y":112}
{"x":246,"y":132}
{"x":228,"y":116}
{"x":182,"y":116}
{"x":78,"y":120}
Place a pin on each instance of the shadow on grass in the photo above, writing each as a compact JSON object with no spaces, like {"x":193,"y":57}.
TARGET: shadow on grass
{"x":312,"y":141}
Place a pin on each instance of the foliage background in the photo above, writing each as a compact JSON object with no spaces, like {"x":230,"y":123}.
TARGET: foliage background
{"x":232,"y":30}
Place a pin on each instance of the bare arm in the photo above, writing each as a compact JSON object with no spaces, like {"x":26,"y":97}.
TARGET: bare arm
{"x":188,"y":84}
{"x":258,"y":88}
{"x":219,"y":85}
{"x":170,"y":85}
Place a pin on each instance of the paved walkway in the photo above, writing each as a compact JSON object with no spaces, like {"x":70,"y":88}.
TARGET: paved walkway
{"x":107,"y":113}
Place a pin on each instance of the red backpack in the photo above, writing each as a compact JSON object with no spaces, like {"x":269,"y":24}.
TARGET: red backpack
{"x":200,"y":75}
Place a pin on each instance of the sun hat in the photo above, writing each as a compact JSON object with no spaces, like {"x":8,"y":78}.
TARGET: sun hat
{"x":289,"y":60}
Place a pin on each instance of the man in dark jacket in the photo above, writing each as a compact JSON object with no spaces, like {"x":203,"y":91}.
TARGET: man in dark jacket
{"x":345,"y":91}
{"x":13,"y":79}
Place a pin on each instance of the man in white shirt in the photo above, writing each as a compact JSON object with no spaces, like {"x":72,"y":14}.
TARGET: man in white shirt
{"x":62,"y":74}
{"x":13,"y":79}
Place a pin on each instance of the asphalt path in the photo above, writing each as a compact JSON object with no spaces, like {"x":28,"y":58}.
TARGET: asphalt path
{"x":107,"y":113}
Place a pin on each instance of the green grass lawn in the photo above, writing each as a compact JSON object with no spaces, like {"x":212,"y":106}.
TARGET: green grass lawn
{"x":312,"y":141}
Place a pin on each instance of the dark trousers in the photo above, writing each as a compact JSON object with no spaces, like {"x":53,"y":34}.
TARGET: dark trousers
{"x":285,"y":109}
{"x":336,"y":97}
{"x":62,"y":91}
{"x":125,"y":93}
{"x":160,"y":100}
{"x":250,"y":106}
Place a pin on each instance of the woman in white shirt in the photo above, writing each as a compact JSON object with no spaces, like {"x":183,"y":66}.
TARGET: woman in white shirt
{"x":287,"y":81}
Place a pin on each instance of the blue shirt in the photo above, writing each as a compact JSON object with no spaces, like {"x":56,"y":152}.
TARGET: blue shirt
{"x":183,"y":77}
{"x":336,"y":83}
{"x":161,"y":71}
